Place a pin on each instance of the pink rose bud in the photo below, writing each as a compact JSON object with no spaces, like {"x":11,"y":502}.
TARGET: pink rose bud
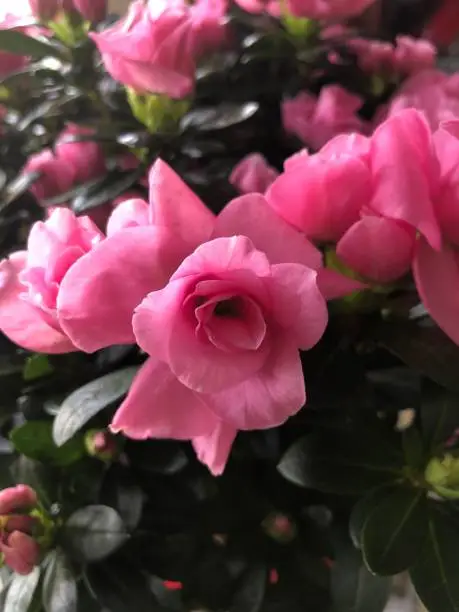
{"x":253,"y":174}
{"x":317,"y":120}
{"x":154,"y":49}
{"x":414,"y":55}
{"x":20,"y":552}
{"x":91,"y":10}
{"x":31,"y":280}
{"x":328,"y":9}
{"x":101,"y":444}
{"x":44,"y":10}
{"x":18,"y":498}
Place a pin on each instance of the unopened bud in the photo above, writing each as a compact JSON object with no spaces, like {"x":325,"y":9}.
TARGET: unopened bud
{"x":101,"y":444}
{"x":92,"y":10}
{"x":44,"y":10}
{"x":442,"y":474}
{"x":279,"y":527}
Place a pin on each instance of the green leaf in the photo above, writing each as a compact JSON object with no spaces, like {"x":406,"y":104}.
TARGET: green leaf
{"x":353,"y":587}
{"x":393,"y":533}
{"x":21,"y":44}
{"x":362,"y":510}
{"x":251,"y":592}
{"x":439,"y":415}
{"x":21,"y":592}
{"x":37,"y":366}
{"x":219,"y":117}
{"x":94,"y":532}
{"x":105,"y":189}
{"x":337,"y":463}
{"x":434,"y":576}
{"x":59,"y":585}
{"x":84,"y":403}
{"x":33,"y":473}
{"x":34,"y":439}
{"x":413,"y":447}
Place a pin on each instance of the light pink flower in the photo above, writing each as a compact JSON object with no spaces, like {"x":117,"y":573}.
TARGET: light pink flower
{"x":30,"y":280}
{"x":433,"y":92}
{"x":253,"y":174}
{"x":316,"y":120}
{"x":249,"y":261}
{"x":132,"y":212}
{"x":155,"y":47}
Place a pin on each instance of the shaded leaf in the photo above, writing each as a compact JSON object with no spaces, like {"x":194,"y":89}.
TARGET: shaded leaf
{"x":393,"y":533}
{"x":21,"y":592}
{"x":94,"y":532}
{"x":362,"y":510}
{"x":35,"y":440}
{"x":84,"y":403}
{"x":59,"y":585}
{"x":250,"y":595}
{"x":434,"y":576}
{"x":108,"y":188}
{"x":33,"y":473}
{"x":21,"y":44}
{"x":37,"y":366}
{"x":439,"y":415}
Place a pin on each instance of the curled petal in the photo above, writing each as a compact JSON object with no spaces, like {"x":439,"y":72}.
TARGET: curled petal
{"x":159,"y":406}
{"x":213,"y":449}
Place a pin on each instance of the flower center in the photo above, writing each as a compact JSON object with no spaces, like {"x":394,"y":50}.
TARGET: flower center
{"x":227,"y":308}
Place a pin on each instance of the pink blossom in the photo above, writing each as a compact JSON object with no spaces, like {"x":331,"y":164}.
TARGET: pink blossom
{"x":433,"y":92}
{"x":316,"y":120}
{"x":20,"y":497}
{"x":272,"y":7}
{"x":260,"y":275}
{"x":131,"y":212}
{"x":92,"y":10}
{"x":328,"y":9}
{"x":30,"y":280}
{"x":20,"y":552}
{"x":155,"y":48}
{"x":253,"y":174}
{"x":44,"y":10}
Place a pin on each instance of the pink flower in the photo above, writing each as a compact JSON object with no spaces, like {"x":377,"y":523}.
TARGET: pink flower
{"x":328,"y":9}
{"x":72,"y":162}
{"x":92,"y":10}
{"x":238,"y":293}
{"x":20,"y":551}
{"x":272,"y":7}
{"x":253,"y":174}
{"x":316,"y":120}
{"x":433,"y":92}
{"x":132,"y":212}
{"x":30,"y":280}
{"x":155,"y":48}
{"x":44,"y":10}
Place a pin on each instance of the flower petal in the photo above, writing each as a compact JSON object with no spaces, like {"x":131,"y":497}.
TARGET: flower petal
{"x":437,"y":281}
{"x":213,"y":449}
{"x":251,"y":216}
{"x":99,"y":293}
{"x":21,"y":322}
{"x":379,"y":249}
{"x":298,"y":304}
{"x":159,"y":406}
{"x":268,"y":398}
{"x":176,"y":207}
{"x":130,"y":213}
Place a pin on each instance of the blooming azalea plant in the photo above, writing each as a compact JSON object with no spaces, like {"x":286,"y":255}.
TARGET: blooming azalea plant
{"x":229,"y":307}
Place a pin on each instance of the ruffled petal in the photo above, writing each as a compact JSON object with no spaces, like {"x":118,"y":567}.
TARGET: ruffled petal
{"x":159,"y":406}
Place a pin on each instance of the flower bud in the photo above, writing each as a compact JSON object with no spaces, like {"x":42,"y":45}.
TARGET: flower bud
{"x":91,"y":10}
{"x":101,"y":444}
{"x":44,"y":10}
{"x":280,"y":528}
{"x":443,"y":476}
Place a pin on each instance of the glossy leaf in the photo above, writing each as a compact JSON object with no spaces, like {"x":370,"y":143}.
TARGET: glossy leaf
{"x":59,"y":584}
{"x":393,"y":533}
{"x":21,"y":592}
{"x":361,"y":511}
{"x":84,"y":403}
{"x":35,"y":440}
{"x":94,"y":532}
{"x":21,"y":44}
{"x":439,"y":415}
{"x":249,"y":597}
{"x":219,"y":117}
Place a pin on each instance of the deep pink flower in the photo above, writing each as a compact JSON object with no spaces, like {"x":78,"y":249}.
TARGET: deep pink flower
{"x":272,"y":7}
{"x":253,"y":174}
{"x":56,"y":175}
{"x":316,"y":120}
{"x":155,"y":47}
{"x":433,"y":92}
{"x":30,"y":280}
{"x":92,"y":10}
{"x":264,"y":275}
{"x":20,"y":497}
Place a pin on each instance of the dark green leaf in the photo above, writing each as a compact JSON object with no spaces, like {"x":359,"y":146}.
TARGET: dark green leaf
{"x":439,"y":415}
{"x":425,"y":349}
{"x":33,"y":473}
{"x":106,"y":189}
{"x":34,"y":439}
{"x":37,"y":366}
{"x":59,"y":585}
{"x":120,"y":586}
{"x":94,"y":532}
{"x":353,"y":587}
{"x":219,"y":117}
{"x":413,"y":448}
{"x":393,"y":533}
{"x":434,"y":576}
{"x":21,"y":44}
{"x":21,"y":592}
{"x":84,"y":403}
{"x":17,"y":187}
{"x":362,"y":510}
{"x":337,"y":463}
{"x":249,"y":597}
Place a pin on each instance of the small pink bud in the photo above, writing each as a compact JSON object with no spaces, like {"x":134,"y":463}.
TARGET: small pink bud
{"x":44,"y":10}
{"x":101,"y":444}
{"x":280,"y":528}
{"x":91,"y":10}
{"x":173,"y":585}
